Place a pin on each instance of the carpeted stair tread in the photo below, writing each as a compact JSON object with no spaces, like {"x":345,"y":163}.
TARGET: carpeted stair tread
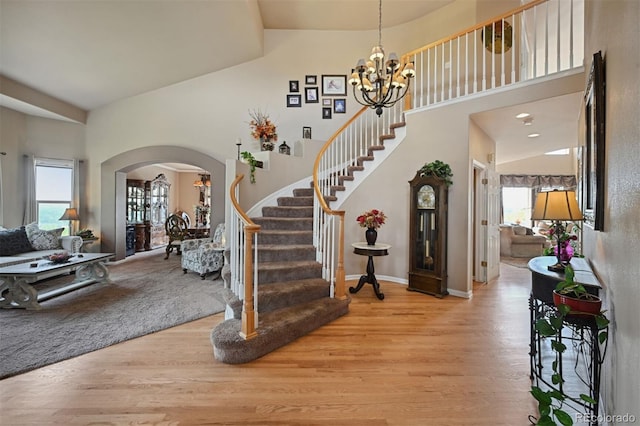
{"x":285,"y":223}
{"x":296,"y":201}
{"x":303,"y":192}
{"x":277,"y":296}
{"x":280,"y":236}
{"x":285,"y":252}
{"x":287,"y":211}
{"x":273,"y":272}
{"x":275,"y":329}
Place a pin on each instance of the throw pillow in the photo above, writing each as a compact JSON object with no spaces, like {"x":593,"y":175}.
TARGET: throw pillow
{"x":31,"y":228}
{"x":14,"y":241}
{"x":46,"y":240}
{"x":519,"y":230}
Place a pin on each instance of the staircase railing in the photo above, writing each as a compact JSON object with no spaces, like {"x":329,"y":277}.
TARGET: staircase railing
{"x":244,"y":262}
{"x":339,"y":157}
{"x":538,"y":39}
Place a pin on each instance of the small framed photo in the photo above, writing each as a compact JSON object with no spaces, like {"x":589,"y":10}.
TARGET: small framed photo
{"x":294,"y":100}
{"x":326,"y":113}
{"x":311,"y":95}
{"x":306,"y":132}
{"x":339,"y":106}
{"x":334,"y":85}
{"x":326,"y":102}
{"x":311,"y":79}
{"x":294,"y":86}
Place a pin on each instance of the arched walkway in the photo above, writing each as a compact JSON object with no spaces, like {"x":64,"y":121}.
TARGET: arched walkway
{"x":113,"y":176}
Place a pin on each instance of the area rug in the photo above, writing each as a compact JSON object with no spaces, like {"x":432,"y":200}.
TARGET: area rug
{"x":147,"y":294}
{"x":518,"y":262}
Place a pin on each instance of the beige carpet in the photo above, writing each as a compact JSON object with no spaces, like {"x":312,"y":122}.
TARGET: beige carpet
{"x":519,"y":262}
{"x":148,"y":294}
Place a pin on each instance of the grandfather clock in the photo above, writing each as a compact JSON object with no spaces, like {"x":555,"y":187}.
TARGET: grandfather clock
{"x":428,"y":235}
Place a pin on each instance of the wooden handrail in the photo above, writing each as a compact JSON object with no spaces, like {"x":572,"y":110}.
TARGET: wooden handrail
{"x":475,"y":27}
{"x":236,"y":205}
{"x":316,"y":165}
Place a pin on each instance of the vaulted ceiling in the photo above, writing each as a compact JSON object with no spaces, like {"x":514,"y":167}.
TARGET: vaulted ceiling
{"x":91,"y":53}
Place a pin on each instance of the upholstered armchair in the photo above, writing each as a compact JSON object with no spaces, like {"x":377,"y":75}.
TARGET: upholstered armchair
{"x":204,"y":255}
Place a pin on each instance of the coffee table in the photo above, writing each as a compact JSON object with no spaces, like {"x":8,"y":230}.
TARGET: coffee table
{"x":17,"y":291}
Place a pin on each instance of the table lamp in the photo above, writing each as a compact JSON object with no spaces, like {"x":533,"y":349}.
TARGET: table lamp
{"x":557,"y":206}
{"x":70,"y":214}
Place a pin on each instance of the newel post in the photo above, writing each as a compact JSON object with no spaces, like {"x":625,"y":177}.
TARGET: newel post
{"x":248,"y":330}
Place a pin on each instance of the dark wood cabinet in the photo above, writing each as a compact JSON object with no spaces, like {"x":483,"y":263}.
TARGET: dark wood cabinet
{"x":428,"y":235}
{"x":138,"y":194}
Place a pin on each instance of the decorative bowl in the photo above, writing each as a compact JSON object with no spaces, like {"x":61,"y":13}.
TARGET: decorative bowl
{"x":60,"y":257}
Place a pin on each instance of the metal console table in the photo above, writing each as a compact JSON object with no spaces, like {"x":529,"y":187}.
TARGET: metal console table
{"x":584,"y":354}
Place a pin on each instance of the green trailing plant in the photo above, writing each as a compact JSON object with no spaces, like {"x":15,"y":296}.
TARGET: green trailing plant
{"x":439,"y":169}
{"x":252,"y":162}
{"x":550,"y":402}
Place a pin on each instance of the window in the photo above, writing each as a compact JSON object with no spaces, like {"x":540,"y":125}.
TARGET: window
{"x":516,"y":205}
{"x":54,"y":192}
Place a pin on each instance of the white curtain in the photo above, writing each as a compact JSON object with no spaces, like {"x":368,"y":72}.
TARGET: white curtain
{"x":30,"y":209}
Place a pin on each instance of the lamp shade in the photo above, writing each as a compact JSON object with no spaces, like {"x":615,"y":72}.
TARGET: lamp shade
{"x":70,"y":214}
{"x":556,"y":205}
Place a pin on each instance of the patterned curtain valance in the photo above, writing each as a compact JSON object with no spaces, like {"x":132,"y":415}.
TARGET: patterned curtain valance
{"x":538,"y":181}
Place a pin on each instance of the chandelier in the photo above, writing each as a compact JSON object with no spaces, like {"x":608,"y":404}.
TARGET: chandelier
{"x":381,"y":84}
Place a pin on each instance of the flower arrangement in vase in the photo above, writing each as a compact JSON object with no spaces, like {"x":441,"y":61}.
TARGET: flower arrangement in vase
{"x":263,"y":129}
{"x":372,"y":220}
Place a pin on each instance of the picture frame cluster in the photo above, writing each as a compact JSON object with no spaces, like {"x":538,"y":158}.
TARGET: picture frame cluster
{"x":332,"y":87}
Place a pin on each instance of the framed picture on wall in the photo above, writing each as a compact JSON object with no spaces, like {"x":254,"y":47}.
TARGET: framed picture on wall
{"x":339,"y":106}
{"x":294,"y":86}
{"x":306,"y":132}
{"x":294,"y":101}
{"x":311,"y":79}
{"x":326,"y":113}
{"x":334,"y":85}
{"x":311,"y":95}
{"x":593,"y":122}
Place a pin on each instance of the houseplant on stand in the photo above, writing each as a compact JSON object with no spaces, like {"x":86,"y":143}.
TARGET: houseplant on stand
{"x":568,"y":297}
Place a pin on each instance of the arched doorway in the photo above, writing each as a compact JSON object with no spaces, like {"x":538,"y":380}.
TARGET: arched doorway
{"x":113,"y":175}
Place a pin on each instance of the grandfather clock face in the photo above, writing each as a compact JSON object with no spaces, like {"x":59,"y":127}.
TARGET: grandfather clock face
{"x":426,"y":228}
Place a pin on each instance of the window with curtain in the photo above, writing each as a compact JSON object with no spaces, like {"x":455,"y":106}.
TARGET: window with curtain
{"x":54,"y":192}
{"x":519,"y":194}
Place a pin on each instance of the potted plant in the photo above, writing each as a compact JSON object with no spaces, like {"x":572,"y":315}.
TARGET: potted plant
{"x":439,"y":169}
{"x":569,"y":298}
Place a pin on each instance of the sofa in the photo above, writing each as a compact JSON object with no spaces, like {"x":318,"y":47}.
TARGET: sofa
{"x":520,"y":241}
{"x":28,"y":243}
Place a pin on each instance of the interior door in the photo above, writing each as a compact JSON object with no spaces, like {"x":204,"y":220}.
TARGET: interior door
{"x":493,"y":224}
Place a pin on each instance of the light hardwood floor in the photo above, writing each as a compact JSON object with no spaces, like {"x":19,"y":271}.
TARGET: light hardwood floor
{"x":410,"y":359}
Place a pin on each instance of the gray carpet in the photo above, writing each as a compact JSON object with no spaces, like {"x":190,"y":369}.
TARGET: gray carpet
{"x":148,"y":294}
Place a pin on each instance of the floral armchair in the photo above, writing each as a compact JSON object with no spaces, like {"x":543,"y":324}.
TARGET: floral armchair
{"x":204,"y":255}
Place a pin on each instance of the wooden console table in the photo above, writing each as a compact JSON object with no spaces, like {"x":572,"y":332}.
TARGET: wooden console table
{"x":585,"y":353}
{"x":17,"y":291}
{"x":364,"y":249}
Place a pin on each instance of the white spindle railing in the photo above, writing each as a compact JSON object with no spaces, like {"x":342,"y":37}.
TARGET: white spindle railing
{"x":546,"y":37}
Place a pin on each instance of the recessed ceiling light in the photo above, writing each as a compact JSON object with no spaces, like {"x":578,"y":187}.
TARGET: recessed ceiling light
{"x":533,"y":135}
{"x":522,"y":115}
